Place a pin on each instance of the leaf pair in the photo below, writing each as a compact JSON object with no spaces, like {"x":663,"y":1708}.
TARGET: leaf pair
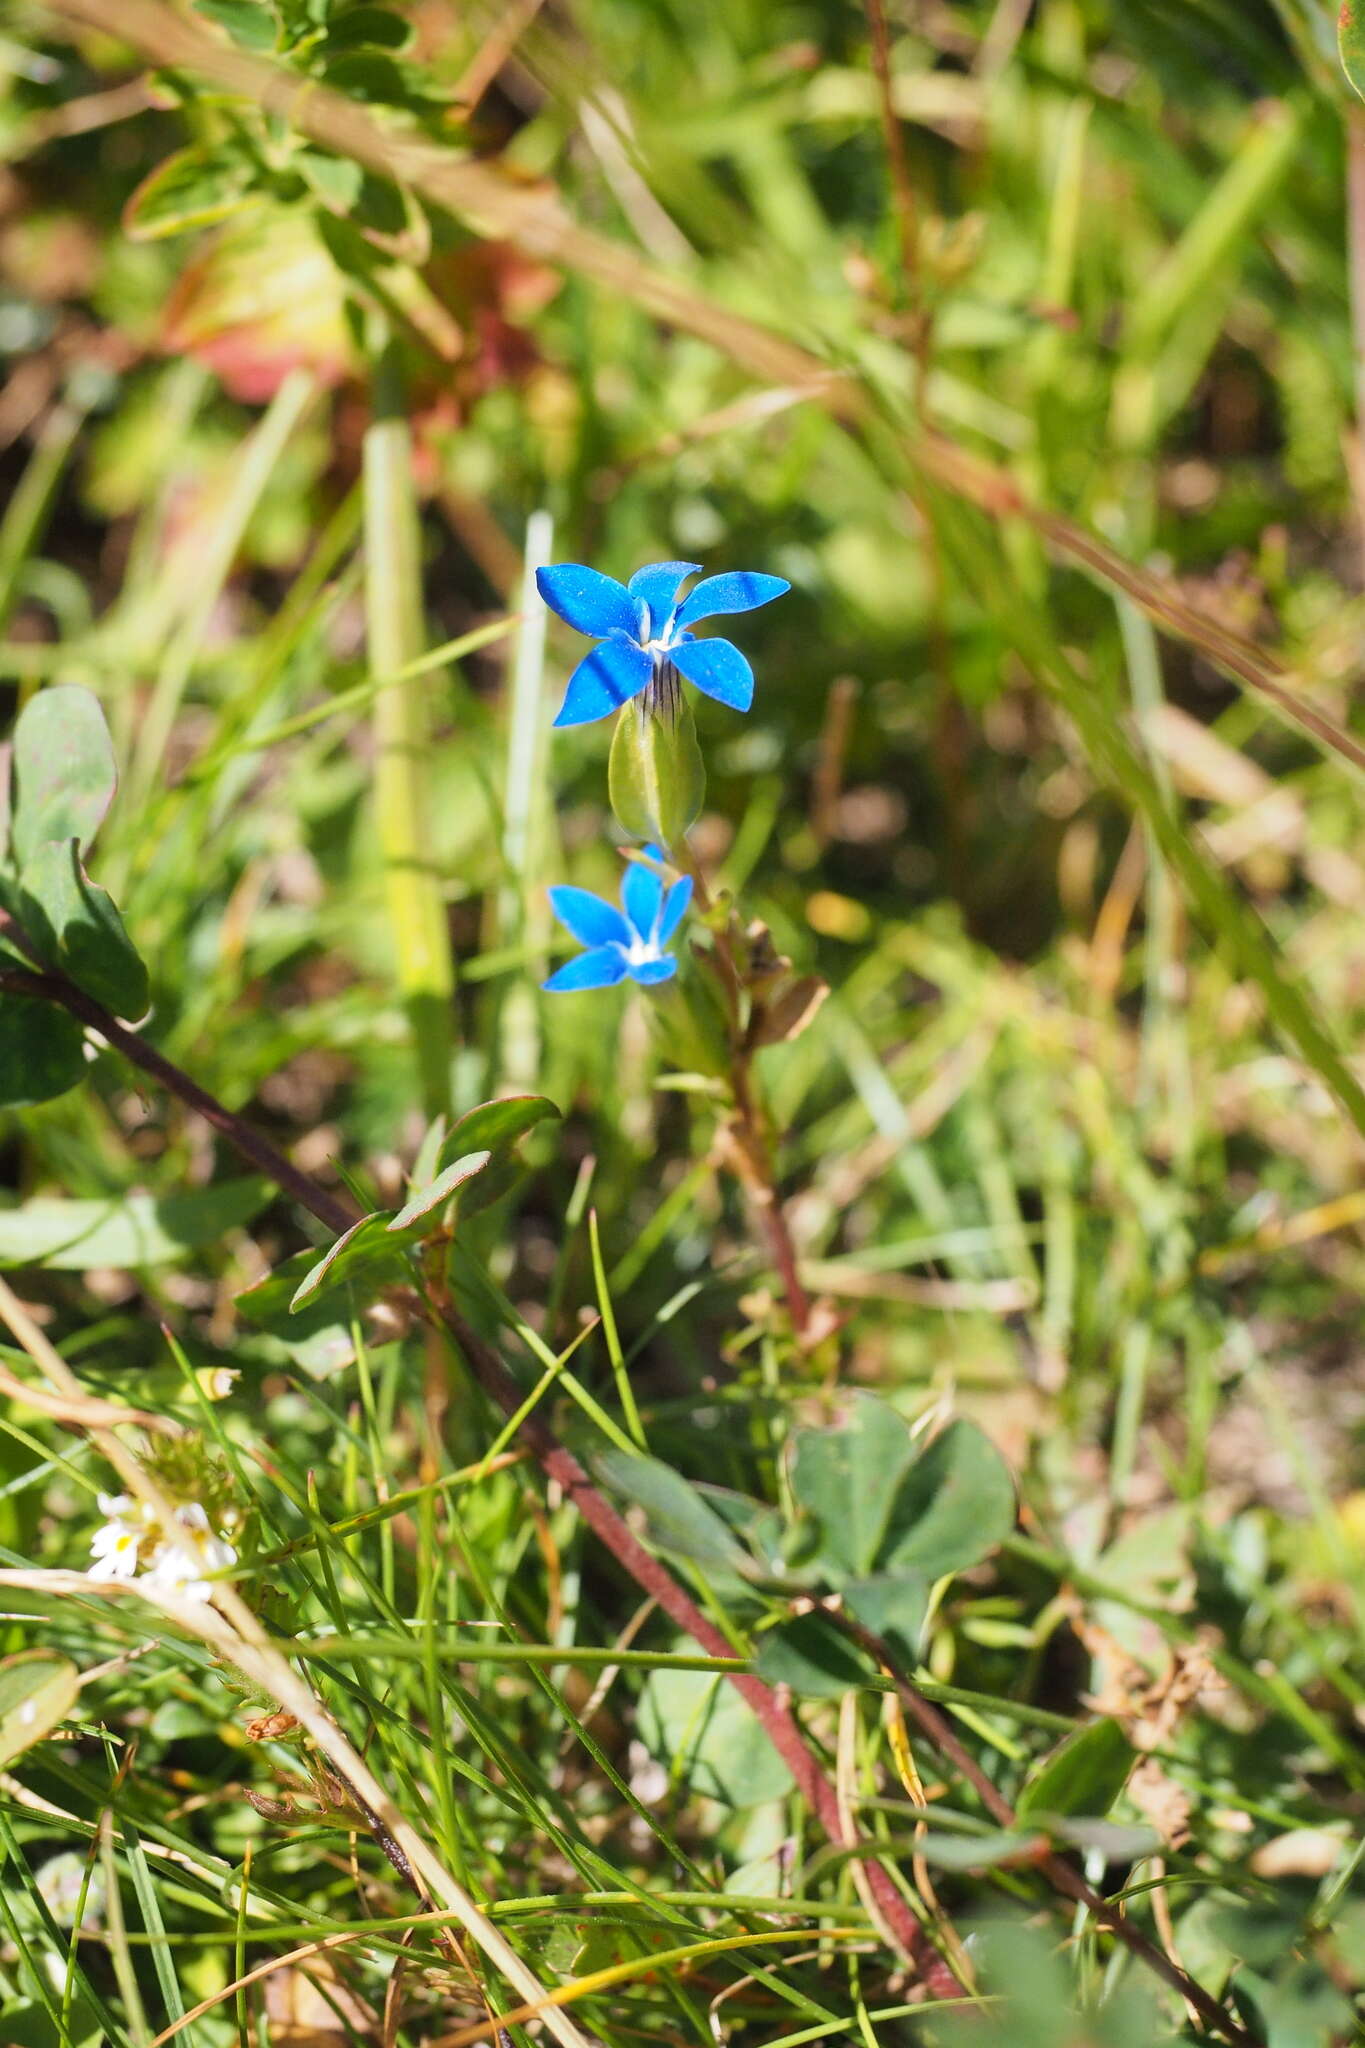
{"x":880,"y":1519}
{"x":474,"y":1163}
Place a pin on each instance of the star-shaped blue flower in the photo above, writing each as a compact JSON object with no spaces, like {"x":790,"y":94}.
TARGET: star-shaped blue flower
{"x":629,"y":941}
{"x":643,"y":628}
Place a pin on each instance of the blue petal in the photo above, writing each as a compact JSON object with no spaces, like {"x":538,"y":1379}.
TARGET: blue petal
{"x":589,"y":601}
{"x":592,"y":922}
{"x":603,"y":967}
{"x":658,"y":586}
{"x":642,"y":892}
{"x":718,"y":668}
{"x":739,"y":591}
{"x":604,"y":680}
{"x":679,"y":896}
{"x":650,"y":971}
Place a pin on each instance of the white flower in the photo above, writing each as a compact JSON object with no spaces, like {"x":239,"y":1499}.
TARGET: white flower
{"x":181,"y":1560}
{"x":115,"y":1546}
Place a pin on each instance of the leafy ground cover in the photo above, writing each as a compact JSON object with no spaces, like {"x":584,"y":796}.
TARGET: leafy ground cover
{"x":812,"y":1492}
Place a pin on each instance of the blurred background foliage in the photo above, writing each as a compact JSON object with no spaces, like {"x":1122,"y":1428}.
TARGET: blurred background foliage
{"x":1048,"y":1149}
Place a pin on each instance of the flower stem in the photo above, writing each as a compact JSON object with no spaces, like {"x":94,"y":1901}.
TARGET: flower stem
{"x":749,"y":1150}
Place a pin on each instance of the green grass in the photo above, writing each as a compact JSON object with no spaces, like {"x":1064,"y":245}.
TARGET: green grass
{"x":1072,"y":1150}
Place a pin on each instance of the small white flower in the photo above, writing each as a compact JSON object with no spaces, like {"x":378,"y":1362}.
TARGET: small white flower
{"x":181,"y":1561}
{"x":115,"y":1546}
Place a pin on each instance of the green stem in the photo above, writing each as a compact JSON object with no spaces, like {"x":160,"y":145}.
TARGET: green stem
{"x":396,"y":636}
{"x":31,"y":503}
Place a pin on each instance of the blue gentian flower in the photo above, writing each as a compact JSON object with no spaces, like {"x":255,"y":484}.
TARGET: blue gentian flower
{"x":629,"y":941}
{"x":644,"y":632}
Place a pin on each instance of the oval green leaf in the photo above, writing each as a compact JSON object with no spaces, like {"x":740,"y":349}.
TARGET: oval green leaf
{"x":77,"y":929}
{"x":38,"y":1689}
{"x":42,"y":1053}
{"x":64,"y":770}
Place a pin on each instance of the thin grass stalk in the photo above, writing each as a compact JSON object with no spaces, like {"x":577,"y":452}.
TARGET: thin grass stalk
{"x":256,"y":464}
{"x":32,"y":500}
{"x":396,"y":635}
{"x":522,"y":832}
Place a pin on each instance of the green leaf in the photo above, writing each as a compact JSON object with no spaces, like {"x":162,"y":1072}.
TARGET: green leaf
{"x":954,"y":1506}
{"x":318,"y":1337}
{"x":38,"y":1689}
{"x":31,"y":2025}
{"x":251,"y":23}
{"x":76,"y":928}
{"x":810,"y":1655}
{"x":430,"y":1200}
{"x":42,"y":1053}
{"x":369,"y":75}
{"x":656,"y":777}
{"x":494,"y":1126}
{"x":679,"y":1519}
{"x":697,"y":1724}
{"x":1084,"y":1774}
{"x":1351,"y":42}
{"x":368,"y":1247}
{"x":336,"y":180}
{"x":996,"y":1847}
{"x":893,"y":1605}
{"x":195,"y":188}
{"x":125,"y":1230}
{"x":64,"y":770}
{"x":373,"y":27}
{"x":847,"y":1479}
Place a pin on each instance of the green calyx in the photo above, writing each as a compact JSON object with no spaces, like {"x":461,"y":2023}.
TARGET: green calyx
{"x":656,"y":777}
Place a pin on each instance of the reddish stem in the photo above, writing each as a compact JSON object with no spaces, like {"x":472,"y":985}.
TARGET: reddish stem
{"x":783,"y":1729}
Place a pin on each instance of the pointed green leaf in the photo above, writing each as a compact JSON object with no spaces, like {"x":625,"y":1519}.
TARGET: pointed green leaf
{"x":194,"y":188}
{"x":64,"y":770}
{"x":1084,"y":1774}
{"x":995,"y":1848}
{"x":319,"y":1336}
{"x":954,"y":1506}
{"x":494,"y":1126}
{"x":77,"y":929}
{"x":430,"y":1200}
{"x":679,"y":1519}
{"x":366,"y":1248}
{"x":251,"y":23}
{"x":38,"y":1689}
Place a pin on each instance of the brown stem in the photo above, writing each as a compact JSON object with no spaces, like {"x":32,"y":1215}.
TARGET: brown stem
{"x":1055,"y":1869}
{"x":750,"y":1153}
{"x":783,"y":1729}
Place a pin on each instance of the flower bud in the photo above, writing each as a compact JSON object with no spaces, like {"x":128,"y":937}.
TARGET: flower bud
{"x":656,"y":777}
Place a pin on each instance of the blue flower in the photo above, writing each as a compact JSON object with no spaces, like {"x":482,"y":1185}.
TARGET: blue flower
{"x":623,"y":942}
{"x":644,"y":630}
